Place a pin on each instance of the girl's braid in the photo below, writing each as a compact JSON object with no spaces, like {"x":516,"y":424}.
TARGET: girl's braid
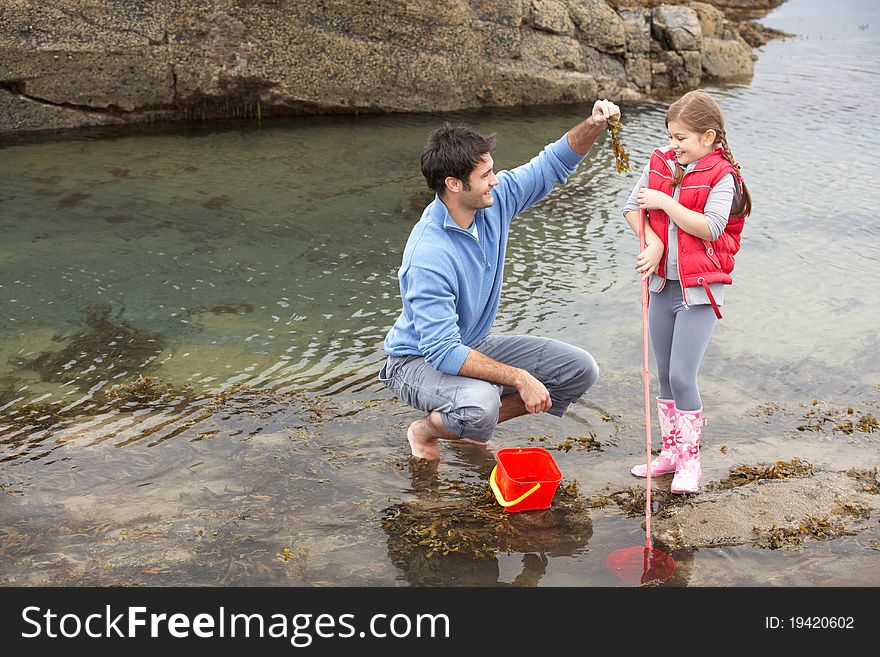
{"x":744,"y":208}
{"x":728,"y":154}
{"x":678,"y":176}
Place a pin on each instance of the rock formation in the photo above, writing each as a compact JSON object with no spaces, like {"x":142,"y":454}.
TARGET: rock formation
{"x":75,"y":63}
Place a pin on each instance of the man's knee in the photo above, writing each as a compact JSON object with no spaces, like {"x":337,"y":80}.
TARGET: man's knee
{"x":476,"y":414}
{"x":584,"y":373}
{"x":575,"y":378}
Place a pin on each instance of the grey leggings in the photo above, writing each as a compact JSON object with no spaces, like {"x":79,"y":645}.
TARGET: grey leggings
{"x":679,"y":337}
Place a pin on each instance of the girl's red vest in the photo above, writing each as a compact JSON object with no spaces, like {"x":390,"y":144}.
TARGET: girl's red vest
{"x":699,"y":262}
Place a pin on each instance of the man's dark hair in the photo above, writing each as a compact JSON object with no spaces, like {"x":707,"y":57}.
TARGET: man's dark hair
{"x":453,"y":151}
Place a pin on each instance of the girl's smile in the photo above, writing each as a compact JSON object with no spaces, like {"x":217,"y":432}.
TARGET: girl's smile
{"x":689,"y":146}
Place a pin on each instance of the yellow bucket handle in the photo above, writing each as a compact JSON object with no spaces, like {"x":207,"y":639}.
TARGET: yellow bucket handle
{"x":501,"y":499}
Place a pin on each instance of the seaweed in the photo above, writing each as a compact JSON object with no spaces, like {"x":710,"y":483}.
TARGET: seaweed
{"x":869,"y":479}
{"x":231,"y":309}
{"x":15,"y":544}
{"x":582,"y":443}
{"x":458,"y":524}
{"x":852,"y":508}
{"x":745,"y":474}
{"x":34,"y":417}
{"x":299,"y":556}
{"x":621,"y":158}
{"x":846,"y":421}
{"x":632,"y":500}
{"x":19,"y":424}
{"x":810,"y":527}
{"x":144,"y":390}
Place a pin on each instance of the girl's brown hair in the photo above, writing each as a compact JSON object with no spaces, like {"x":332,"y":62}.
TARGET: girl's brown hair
{"x":699,"y":112}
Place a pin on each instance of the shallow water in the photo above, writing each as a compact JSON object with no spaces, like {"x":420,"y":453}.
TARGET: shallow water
{"x":249,"y":270}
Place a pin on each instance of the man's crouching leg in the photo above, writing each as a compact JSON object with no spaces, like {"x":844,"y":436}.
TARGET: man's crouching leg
{"x":574,"y":371}
{"x":473,"y":419}
{"x":424,"y":436}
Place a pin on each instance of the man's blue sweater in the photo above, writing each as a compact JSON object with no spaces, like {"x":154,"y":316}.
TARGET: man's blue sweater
{"x":450,"y":281}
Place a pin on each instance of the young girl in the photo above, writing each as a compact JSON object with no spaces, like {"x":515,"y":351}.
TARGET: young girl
{"x":696,"y":205}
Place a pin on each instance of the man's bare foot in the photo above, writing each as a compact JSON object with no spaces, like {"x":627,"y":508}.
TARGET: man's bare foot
{"x":422,"y":442}
{"x":488,"y":446}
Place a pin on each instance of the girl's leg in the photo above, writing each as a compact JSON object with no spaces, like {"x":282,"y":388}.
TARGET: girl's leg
{"x":693,"y":329}
{"x":661,"y":322}
{"x":661,"y":317}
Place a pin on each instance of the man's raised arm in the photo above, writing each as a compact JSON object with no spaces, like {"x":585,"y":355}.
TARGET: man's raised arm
{"x":582,"y":137}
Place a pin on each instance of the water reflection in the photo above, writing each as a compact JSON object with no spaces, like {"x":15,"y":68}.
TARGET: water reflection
{"x":453,"y":532}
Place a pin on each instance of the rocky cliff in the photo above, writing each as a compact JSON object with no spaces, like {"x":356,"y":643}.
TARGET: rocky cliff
{"x":73,"y":63}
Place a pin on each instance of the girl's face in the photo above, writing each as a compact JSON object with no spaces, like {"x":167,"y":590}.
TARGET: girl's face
{"x":689,"y":146}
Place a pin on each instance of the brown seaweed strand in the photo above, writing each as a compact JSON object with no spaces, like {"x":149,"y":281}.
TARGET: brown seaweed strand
{"x":621,"y":158}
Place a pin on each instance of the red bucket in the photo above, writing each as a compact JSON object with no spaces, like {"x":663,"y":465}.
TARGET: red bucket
{"x":524,"y":478}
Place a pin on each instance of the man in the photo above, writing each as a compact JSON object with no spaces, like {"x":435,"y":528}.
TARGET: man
{"x":441,"y":358}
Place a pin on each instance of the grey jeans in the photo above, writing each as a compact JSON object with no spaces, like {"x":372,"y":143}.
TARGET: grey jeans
{"x":470,"y":407}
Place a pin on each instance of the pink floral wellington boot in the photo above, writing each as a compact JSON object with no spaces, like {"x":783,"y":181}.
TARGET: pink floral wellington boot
{"x":667,"y":461}
{"x":688,"y":473}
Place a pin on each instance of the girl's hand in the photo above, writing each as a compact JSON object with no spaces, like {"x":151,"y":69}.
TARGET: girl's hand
{"x":653,"y":199}
{"x":648,"y":261}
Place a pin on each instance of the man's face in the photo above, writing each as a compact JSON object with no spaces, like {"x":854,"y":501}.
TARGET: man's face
{"x":477,"y":193}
